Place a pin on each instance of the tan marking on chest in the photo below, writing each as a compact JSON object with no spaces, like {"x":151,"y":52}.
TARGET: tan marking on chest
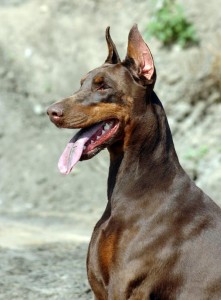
{"x":106,"y":251}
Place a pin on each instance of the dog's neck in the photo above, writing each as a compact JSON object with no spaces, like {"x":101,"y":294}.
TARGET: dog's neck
{"x":149,"y":159}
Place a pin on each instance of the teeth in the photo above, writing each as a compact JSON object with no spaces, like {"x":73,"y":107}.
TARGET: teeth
{"x":92,"y":141}
{"x":103,"y":132}
{"x":106,"y":126}
{"x":98,"y":137}
{"x":84,"y":147}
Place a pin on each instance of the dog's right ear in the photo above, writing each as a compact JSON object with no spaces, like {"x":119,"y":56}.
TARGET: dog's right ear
{"x":113,"y":56}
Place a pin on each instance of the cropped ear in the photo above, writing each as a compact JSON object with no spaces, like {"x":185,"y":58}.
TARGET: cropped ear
{"x":139,"y":59}
{"x":113,"y":57}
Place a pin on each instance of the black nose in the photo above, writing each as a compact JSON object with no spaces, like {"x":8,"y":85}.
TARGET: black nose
{"x":55,"y":112}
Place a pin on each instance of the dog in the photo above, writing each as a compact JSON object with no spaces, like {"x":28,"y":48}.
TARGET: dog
{"x":159,"y":237}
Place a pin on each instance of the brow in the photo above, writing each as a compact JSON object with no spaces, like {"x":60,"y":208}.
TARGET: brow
{"x":83,"y":79}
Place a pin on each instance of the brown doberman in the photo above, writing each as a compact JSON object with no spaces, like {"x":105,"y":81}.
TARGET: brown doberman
{"x":159,"y":237}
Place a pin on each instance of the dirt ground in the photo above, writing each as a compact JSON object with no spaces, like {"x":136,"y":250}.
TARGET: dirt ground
{"x":45,"y":48}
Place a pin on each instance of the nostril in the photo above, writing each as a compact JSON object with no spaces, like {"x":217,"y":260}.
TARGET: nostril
{"x":55,"y":111}
{"x":56,"y":114}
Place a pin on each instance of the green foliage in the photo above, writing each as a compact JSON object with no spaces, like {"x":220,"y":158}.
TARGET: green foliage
{"x":197,"y":153}
{"x":170,"y":25}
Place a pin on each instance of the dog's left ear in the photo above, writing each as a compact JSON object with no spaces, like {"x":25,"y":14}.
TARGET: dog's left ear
{"x":139,"y":59}
{"x":113,"y":56}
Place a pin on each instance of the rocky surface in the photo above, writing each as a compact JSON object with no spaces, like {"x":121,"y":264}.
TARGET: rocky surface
{"x":45,"y":48}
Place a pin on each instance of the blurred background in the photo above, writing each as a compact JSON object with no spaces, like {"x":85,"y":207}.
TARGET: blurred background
{"x":46,"y":219}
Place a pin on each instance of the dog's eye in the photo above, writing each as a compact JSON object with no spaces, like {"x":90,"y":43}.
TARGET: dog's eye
{"x":103,"y":87}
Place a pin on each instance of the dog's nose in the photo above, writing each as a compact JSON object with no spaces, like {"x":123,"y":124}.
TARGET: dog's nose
{"x":55,"y":112}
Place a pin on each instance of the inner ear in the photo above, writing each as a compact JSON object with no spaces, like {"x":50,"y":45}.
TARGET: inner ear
{"x":113,"y":56}
{"x":139,"y":57}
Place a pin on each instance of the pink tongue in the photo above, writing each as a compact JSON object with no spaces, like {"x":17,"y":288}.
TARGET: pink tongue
{"x":74,"y":149}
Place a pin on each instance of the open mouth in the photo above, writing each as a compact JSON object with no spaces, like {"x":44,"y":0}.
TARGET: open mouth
{"x":87,"y":143}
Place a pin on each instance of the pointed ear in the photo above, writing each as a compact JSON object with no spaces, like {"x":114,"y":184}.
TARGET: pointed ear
{"x":139,"y":58}
{"x":113,"y":57}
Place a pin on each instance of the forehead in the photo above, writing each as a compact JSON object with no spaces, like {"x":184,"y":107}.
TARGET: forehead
{"x":105,"y":71}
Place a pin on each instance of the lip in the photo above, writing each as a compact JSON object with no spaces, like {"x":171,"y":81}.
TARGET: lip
{"x":103,"y":137}
{"x":87,"y":143}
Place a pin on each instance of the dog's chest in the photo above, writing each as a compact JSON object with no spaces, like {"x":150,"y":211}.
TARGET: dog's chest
{"x":102,"y":252}
{"x":110,"y":267}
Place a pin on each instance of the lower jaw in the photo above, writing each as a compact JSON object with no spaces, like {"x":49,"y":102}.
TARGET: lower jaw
{"x":92,"y":153}
{"x":89,"y":153}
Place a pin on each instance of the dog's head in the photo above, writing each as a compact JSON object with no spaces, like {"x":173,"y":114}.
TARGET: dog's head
{"x":109,"y":97}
